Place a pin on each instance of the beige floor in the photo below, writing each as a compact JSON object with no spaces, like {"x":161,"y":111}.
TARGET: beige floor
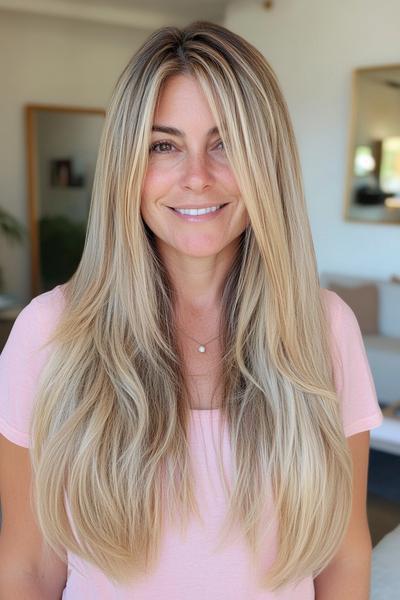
{"x":383,"y":516}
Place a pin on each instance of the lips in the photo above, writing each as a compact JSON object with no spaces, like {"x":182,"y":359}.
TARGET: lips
{"x":209,"y":215}
{"x":197,"y":207}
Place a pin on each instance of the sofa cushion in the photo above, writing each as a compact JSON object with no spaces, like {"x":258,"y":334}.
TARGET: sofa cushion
{"x":363,"y":299}
{"x":384,"y":358}
{"x":385,"y":573}
{"x":389,"y":305}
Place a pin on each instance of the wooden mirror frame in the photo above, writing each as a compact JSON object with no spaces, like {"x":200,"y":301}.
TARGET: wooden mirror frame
{"x":351,"y":146}
{"x":32,"y":176}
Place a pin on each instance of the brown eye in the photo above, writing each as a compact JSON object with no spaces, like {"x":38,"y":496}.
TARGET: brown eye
{"x":161,"y":147}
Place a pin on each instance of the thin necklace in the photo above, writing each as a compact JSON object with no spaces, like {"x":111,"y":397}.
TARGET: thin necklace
{"x":201,"y":346}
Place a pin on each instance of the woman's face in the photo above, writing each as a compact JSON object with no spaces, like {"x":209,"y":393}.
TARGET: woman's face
{"x":188,"y":169}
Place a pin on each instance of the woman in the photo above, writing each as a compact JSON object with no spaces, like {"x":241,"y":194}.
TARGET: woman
{"x":196,"y":310}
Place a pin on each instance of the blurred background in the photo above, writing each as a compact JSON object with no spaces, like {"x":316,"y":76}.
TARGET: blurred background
{"x":339,"y":67}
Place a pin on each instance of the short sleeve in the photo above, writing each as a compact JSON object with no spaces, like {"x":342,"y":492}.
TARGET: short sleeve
{"x":352,"y":374}
{"x":21,"y":362}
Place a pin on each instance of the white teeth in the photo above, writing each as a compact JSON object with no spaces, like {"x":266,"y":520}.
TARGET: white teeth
{"x":197,"y":211}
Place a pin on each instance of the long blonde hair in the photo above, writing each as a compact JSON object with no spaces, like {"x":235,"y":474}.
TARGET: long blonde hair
{"x":109,"y":428}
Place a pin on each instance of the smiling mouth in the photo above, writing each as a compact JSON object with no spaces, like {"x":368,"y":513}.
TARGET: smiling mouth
{"x":198,"y":211}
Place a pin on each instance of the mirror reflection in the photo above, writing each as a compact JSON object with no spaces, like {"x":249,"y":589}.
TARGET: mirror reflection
{"x":373,"y":191}
{"x":62,"y":153}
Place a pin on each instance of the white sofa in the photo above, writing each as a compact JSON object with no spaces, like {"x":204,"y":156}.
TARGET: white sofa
{"x":385,"y":576}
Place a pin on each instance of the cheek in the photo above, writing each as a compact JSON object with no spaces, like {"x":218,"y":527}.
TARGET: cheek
{"x":230,"y":183}
{"x":233,"y":190}
{"x":156,"y":184}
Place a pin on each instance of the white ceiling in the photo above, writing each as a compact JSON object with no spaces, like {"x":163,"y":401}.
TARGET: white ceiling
{"x":181,"y":6}
{"x":139,"y":13}
{"x":147,"y":14}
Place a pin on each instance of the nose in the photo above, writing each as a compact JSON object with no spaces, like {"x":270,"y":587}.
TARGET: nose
{"x":197,"y":174}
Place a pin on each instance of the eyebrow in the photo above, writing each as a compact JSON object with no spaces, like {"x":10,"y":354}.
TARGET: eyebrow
{"x":178,"y":132}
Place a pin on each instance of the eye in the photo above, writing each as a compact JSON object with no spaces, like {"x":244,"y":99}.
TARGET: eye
{"x":219,"y":144}
{"x":160,"y":145}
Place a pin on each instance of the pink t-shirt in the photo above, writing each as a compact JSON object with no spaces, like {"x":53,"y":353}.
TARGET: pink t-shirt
{"x":188,"y":567}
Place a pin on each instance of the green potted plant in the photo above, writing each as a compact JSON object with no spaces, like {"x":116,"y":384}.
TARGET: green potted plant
{"x":14,"y":231}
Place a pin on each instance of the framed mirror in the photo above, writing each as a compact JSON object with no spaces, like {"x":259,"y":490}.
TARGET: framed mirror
{"x":62,"y":147}
{"x":373,"y":171}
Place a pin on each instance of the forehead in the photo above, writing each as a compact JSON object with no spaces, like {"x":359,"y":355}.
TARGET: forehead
{"x":181,"y":100}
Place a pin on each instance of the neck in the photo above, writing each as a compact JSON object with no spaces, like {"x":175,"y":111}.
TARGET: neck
{"x":197,"y":281}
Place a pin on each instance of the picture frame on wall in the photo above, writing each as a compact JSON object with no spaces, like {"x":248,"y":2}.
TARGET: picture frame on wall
{"x":60,"y":172}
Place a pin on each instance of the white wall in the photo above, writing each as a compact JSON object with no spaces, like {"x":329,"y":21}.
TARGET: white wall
{"x":313,"y":45}
{"x":51,"y":61}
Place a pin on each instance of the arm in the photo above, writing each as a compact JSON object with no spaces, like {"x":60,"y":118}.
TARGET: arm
{"x":29,"y":569}
{"x":348,"y":575}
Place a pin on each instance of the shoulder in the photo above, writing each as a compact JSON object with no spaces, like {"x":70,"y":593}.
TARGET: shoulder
{"x":38,"y":318}
{"x":337,"y":309}
{"x":21,"y":362}
{"x":344,"y":329}
{"x":343,"y":324}
{"x":351,"y":370}
{"x":47,"y":305}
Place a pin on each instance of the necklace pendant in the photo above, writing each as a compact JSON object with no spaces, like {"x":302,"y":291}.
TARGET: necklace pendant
{"x":201,"y":348}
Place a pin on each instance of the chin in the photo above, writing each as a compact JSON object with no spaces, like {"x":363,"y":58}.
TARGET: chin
{"x":200,"y":251}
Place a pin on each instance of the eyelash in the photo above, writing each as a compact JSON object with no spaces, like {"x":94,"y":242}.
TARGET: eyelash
{"x":154,"y":146}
